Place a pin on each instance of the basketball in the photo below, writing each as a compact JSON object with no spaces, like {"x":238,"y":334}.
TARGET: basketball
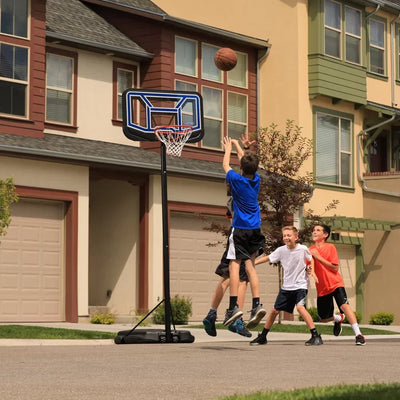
{"x":225,"y":59}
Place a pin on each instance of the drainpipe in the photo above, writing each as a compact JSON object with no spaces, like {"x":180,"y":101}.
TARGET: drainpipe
{"x":373,"y":12}
{"x":360,"y":179}
{"x":392,"y":37}
{"x":261,"y":58}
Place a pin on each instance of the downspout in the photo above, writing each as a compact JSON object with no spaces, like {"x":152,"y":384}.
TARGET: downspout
{"x":392,"y":37}
{"x":360,"y":179}
{"x":373,"y":12}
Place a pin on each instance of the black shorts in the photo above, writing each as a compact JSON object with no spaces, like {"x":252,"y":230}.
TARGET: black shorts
{"x":325,"y":303}
{"x":288,"y":299}
{"x":243,"y":243}
{"x":223,"y":269}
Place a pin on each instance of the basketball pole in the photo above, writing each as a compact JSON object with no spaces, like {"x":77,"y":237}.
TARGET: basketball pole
{"x":165,"y":230}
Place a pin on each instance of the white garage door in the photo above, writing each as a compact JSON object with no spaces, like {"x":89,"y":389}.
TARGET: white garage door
{"x":192,"y":266}
{"x":31,"y":263}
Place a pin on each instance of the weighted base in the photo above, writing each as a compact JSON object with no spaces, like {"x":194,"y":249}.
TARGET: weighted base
{"x":152,"y":336}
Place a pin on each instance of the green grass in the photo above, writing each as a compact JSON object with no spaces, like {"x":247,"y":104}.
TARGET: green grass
{"x":39,"y":332}
{"x":323,"y":329}
{"x":342,"y":392}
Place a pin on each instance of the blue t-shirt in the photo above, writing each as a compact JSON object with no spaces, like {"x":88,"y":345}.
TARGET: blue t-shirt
{"x":246,"y":211}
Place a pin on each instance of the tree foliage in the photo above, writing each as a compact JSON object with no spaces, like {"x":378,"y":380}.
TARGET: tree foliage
{"x":284,"y":186}
{"x":7,"y":198}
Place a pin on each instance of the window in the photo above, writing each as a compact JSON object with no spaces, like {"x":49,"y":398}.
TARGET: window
{"x":13,"y":79}
{"x":188,"y":111}
{"x":333,"y":28}
{"x":14,"y":17}
{"x":353,"y":35}
{"x":124,"y":81}
{"x":333,"y":149}
{"x":377,"y":46}
{"x":59,"y":88}
{"x":212,"y":105}
{"x":124,"y":77}
{"x":343,"y":21}
{"x":185,"y":56}
{"x":225,"y":94}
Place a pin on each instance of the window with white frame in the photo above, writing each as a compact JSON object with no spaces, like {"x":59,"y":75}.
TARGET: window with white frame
{"x":14,"y":61}
{"x":353,"y":35}
{"x":125,"y":80}
{"x":14,"y":17}
{"x":185,"y":56}
{"x":333,"y":149}
{"x":225,"y":94}
{"x":188,"y":108}
{"x":377,"y":46}
{"x":59,"y":88}
{"x":212,"y":108}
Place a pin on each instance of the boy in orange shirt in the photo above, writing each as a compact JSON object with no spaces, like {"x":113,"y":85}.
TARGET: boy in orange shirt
{"x":330,"y":284}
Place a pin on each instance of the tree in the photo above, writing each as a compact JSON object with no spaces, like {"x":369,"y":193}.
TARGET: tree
{"x":7,"y":198}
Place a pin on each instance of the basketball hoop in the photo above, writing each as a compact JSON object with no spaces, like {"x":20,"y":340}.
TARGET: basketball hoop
{"x":174,"y":137}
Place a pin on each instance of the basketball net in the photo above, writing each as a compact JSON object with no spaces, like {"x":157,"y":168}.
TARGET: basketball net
{"x":174,"y":137}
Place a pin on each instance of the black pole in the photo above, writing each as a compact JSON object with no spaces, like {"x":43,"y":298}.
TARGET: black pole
{"x":164,"y":203}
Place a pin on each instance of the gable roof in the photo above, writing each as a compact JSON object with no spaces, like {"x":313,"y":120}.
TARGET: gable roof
{"x":74,"y":22}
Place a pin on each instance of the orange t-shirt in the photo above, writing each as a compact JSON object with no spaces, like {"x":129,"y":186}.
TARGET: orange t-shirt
{"x":328,"y":279}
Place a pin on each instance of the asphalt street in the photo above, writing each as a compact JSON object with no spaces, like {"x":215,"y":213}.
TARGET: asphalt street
{"x":204,"y":370}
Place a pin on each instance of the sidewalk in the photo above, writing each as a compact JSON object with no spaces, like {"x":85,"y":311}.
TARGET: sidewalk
{"x":223,"y":335}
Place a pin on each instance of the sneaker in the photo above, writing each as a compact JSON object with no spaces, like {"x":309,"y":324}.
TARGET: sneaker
{"x":314,"y":341}
{"x":209,"y":323}
{"x":257,"y":314}
{"x":337,"y":326}
{"x":360,"y":340}
{"x":231,"y":315}
{"x":258,"y":340}
{"x":237,"y":326}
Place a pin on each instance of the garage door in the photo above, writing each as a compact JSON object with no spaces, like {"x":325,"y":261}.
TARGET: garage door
{"x":31,"y":263}
{"x":193,"y":263}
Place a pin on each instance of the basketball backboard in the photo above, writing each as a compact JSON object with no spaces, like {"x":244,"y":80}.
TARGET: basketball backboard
{"x":144,"y":110}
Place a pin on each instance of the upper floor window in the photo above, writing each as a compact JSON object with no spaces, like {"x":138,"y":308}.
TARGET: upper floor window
{"x":59,"y":88}
{"x":377,"y":46}
{"x":14,"y":17}
{"x":225,"y":94}
{"x":333,"y":149}
{"x":13,"y":79}
{"x":124,"y":77}
{"x":342,"y":20}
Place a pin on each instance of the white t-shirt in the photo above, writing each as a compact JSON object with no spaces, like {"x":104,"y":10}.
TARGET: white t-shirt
{"x":293,"y":262}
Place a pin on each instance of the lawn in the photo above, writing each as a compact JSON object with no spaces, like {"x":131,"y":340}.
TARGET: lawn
{"x":339,"y":392}
{"x":39,"y":332}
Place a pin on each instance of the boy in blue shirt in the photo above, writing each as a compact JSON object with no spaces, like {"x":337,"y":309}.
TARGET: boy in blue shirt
{"x":245,"y":237}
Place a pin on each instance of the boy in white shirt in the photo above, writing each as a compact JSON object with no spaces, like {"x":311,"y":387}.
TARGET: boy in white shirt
{"x":293,"y":258}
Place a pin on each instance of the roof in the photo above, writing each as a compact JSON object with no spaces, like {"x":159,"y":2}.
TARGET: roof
{"x":93,"y":152}
{"x":74,"y":22}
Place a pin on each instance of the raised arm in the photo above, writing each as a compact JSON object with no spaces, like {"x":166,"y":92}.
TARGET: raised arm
{"x":227,"y":143}
{"x":261,"y":260}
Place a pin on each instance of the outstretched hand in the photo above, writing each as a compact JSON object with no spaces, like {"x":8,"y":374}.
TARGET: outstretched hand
{"x":246,"y":142}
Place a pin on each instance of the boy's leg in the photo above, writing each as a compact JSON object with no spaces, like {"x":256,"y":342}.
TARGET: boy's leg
{"x":315,"y":336}
{"x":233,"y":312}
{"x":257,"y":312}
{"x":237,"y":326}
{"x":262,"y":337}
{"x":211,"y":318}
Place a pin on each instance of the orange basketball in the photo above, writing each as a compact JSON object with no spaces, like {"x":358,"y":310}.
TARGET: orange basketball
{"x":225,"y":59}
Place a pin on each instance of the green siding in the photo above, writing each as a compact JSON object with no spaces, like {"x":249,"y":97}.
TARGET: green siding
{"x":337,"y":79}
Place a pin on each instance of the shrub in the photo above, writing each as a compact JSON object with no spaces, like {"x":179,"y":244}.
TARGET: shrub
{"x":358,"y":317}
{"x":105,"y":319}
{"x":381,"y":318}
{"x":313,"y":312}
{"x":138,"y":317}
{"x":181,"y":311}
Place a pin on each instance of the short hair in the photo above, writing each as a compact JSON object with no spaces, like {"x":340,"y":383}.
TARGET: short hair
{"x":249,"y":163}
{"x":325,"y":228}
{"x":291,"y":228}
